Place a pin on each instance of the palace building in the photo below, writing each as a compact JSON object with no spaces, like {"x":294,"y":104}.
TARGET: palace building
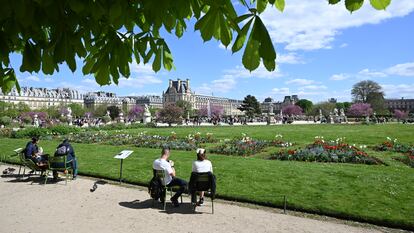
{"x":180,"y":90}
{"x":37,"y":98}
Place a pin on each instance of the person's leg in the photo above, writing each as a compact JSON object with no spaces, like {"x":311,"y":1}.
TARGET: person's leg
{"x":75,"y":167}
{"x":178,"y":182}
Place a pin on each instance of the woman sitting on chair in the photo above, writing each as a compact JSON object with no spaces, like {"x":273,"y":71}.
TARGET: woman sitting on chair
{"x":202,"y":165}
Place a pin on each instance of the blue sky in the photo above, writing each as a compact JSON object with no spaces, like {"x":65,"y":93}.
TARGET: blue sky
{"x":322,"y":51}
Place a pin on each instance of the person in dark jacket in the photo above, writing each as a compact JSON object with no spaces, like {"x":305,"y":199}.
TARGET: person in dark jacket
{"x":70,"y":156}
{"x":32,"y":152}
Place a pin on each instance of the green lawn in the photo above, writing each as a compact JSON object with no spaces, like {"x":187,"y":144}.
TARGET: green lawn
{"x":378,"y":194}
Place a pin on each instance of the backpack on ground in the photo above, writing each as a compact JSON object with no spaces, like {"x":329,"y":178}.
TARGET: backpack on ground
{"x":155,"y":188}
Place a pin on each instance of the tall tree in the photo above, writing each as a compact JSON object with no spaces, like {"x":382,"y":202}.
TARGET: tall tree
{"x":170,"y":114}
{"x":186,"y":107}
{"x":250,"y":106}
{"x":113,"y":111}
{"x":77,"y":110}
{"x":361,"y":90}
{"x":305,"y":104}
{"x":106,"y":35}
{"x":377,"y":102}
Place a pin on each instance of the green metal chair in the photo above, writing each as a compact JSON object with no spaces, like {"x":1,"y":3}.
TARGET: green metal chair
{"x":202,"y":183}
{"x":60,"y":164}
{"x":161,"y":174}
{"x":24,"y":162}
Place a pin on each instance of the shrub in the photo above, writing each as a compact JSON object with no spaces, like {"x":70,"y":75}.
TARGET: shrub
{"x":63,"y":129}
{"x":5,"y":120}
{"x":30,"y":132}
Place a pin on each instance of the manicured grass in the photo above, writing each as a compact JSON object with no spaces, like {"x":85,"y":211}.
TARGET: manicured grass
{"x":373,"y":193}
{"x":361,"y":134}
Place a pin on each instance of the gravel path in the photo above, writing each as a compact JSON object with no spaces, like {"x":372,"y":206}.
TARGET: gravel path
{"x":26,"y":206}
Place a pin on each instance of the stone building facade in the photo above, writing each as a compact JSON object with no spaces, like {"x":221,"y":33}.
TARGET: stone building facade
{"x":269,"y":103}
{"x":37,"y":98}
{"x":400,"y":104}
{"x":180,"y":90}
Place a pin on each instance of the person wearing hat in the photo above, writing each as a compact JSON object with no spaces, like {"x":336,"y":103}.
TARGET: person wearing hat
{"x":201,"y":165}
{"x":65,"y":148}
{"x":163,"y":163}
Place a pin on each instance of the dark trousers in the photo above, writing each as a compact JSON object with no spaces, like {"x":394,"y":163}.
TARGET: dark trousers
{"x":178,"y":182}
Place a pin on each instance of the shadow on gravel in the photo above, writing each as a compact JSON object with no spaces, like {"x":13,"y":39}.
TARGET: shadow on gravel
{"x":184,"y":208}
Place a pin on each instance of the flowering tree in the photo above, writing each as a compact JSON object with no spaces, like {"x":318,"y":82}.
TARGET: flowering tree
{"x":292,"y":110}
{"x":170,"y":114}
{"x":360,"y":109}
{"x":400,"y":115}
{"x":40,"y":115}
{"x":216,"y":111}
{"x":63,"y":110}
{"x":136,"y":112}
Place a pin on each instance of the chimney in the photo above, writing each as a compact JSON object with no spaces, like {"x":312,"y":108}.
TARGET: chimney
{"x":188,"y":85}
{"x":179,"y":85}
{"x":170,"y":83}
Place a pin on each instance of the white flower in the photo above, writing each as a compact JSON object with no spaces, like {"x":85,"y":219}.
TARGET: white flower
{"x":388,"y":138}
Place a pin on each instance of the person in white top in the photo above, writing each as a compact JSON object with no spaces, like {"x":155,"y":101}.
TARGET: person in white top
{"x":202,"y":165}
{"x":170,"y":180}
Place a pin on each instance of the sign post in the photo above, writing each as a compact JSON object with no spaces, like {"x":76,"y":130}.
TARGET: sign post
{"x":122,"y":155}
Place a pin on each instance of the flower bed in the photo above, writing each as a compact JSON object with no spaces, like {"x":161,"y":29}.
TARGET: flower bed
{"x":140,"y":140}
{"x":395,"y":146}
{"x":247,"y":146}
{"x":333,"y":151}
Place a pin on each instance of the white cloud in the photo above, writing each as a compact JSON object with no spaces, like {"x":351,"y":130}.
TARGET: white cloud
{"x":398,"y":90}
{"x":343,"y":45}
{"x":222,"y":85}
{"x":260,"y":72}
{"x":310,"y":25}
{"x":339,"y":77}
{"x":405,"y":69}
{"x":300,"y":82}
{"x":48,"y":80}
{"x":32,"y":78}
{"x":289,"y":58}
{"x":139,"y":81}
{"x":373,"y":74}
{"x":281,"y":91}
{"x":313,"y":87}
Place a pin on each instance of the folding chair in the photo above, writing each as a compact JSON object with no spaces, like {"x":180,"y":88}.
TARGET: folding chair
{"x":161,"y":174}
{"x":202,"y":182}
{"x":60,"y":163}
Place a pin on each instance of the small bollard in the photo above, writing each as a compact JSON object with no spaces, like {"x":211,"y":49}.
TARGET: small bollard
{"x":284,"y":204}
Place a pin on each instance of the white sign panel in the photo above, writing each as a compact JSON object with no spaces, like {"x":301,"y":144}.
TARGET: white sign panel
{"x":123,"y":154}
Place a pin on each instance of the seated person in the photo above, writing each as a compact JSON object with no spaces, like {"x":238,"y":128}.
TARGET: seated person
{"x":164,"y":164}
{"x":33,"y":153}
{"x":65,"y":148}
{"x":202,"y":165}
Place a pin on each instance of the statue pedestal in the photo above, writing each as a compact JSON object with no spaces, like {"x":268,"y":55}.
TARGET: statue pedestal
{"x":69,"y":117}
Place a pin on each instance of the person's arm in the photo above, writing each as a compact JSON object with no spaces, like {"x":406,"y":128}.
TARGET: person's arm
{"x":170,"y":170}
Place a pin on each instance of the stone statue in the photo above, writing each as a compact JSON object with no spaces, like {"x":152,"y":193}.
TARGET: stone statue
{"x":342,"y":113}
{"x":69,"y":111}
{"x":270,"y":109}
{"x":107,"y":113}
{"x":335,"y":111}
{"x":121,"y":117}
{"x":35,"y":121}
{"x":147,"y":114}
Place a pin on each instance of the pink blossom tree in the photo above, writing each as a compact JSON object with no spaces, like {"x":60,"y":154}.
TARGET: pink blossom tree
{"x":400,"y":115}
{"x":136,"y":112}
{"x":216,"y":111}
{"x":292,"y":110}
{"x":360,"y":109}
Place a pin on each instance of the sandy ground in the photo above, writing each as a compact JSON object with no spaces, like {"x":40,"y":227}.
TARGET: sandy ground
{"x":27,"y":206}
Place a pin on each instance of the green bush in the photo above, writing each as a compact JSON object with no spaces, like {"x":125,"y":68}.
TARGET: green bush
{"x":5,"y":120}
{"x":106,"y":119}
{"x":30,"y":132}
{"x":63,"y":129}
{"x":6,"y":132}
{"x":27,"y":120}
